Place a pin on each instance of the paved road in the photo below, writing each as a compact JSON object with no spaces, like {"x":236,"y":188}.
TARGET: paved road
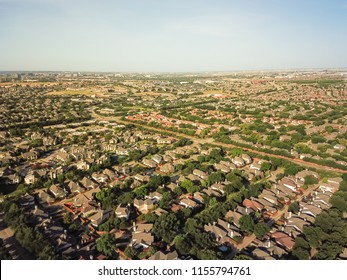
{"x":211,"y":141}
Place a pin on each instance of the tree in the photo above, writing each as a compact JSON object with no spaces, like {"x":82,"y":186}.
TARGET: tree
{"x":207,"y":254}
{"x":294,"y":207}
{"x":68,"y":218}
{"x":130,"y":252}
{"x":215,"y":177}
{"x":260,"y":229}
{"x":265,"y":166}
{"x":182,"y":244}
{"x":310,"y":180}
{"x":301,"y":253}
{"x":166,"y":227}
{"x":246,"y":224}
{"x":106,"y":244}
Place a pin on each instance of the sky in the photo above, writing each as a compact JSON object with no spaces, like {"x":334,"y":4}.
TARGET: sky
{"x":172,"y":35}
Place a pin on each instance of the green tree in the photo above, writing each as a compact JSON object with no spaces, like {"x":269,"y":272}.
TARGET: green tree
{"x":310,"y":180}
{"x":182,"y":244}
{"x":166,"y":227}
{"x":130,"y":252}
{"x":294,"y":207}
{"x":246,"y":224}
{"x":265,"y":166}
{"x":260,"y":229}
{"x":106,"y":244}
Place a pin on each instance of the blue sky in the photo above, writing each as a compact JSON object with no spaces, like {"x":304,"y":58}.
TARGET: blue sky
{"x":167,"y":35}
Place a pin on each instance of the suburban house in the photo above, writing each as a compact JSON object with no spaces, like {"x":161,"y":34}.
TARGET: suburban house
{"x":167,"y":168}
{"x":58,"y":192}
{"x":188,"y":203}
{"x":149,"y":163}
{"x":123,"y":211}
{"x":143,"y":206}
{"x":99,"y":217}
{"x":160,"y":255}
{"x":88,"y":183}
{"x":202,"y":175}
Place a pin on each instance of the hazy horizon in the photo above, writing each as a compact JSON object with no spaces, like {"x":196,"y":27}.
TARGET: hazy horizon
{"x":172,"y":36}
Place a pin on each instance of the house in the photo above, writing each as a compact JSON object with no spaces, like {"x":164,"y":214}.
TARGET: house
{"x":161,"y":255}
{"x":31,"y":155}
{"x":268,"y":206}
{"x":154,"y":196}
{"x":99,"y":217}
{"x":222,"y":167}
{"x":309,"y":209}
{"x":30,"y":178}
{"x":211,"y":193}
{"x":44,"y":198}
{"x":143,"y":206}
{"x":269,"y":196}
{"x":246,"y":158}
{"x":165,"y":140}
{"x":13,"y":179}
{"x":149,"y":163}
{"x":122,"y":169}
{"x":234,"y":217}
{"x":54,"y":173}
{"x":252,"y":204}
{"x":110,"y":173}
{"x":288,"y":183}
{"x":27,"y":200}
{"x":281,"y":190}
{"x":218,"y":187}
{"x":100,"y":177}
{"x":63,"y":156}
{"x":228,"y":164}
{"x":222,"y":231}
{"x":141,"y":178}
{"x":339,"y":147}
{"x":322,"y":198}
{"x":302,"y":174}
{"x":336,"y":181}
{"x":82,"y":165}
{"x":57,"y":191}
{"x":157,"y":158}
{"x":142,"y":236}
{"x":188,"y":203}
{"x":202,"y":175}
{"x":167,"y":168}
{"x":74,"y":187}
{"x":88,"y":183}
{"x":123,"y":211}
{"x":238,"y":161}
{"x":199,"y":197}
{"x":159,"y":211}
{"x":328,"y":187}
{"x":283,"y":239}
{"x":122,"y":152}
{"x":219,"y":234}
{"x":172,"y":186}
{"x":297,"y":223}
{"x":255,"y":166}
{"x":142,"y":240}
{"x":142,"y":227}
{"x":262,"y":254}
